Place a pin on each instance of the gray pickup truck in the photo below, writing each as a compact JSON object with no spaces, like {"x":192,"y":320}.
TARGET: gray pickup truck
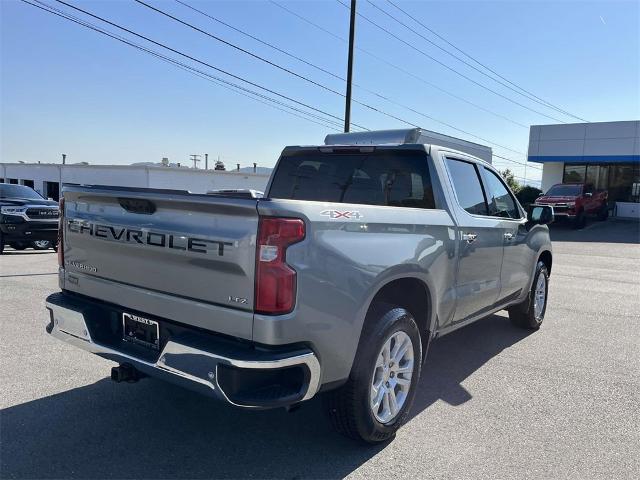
{"x":335,"y":282}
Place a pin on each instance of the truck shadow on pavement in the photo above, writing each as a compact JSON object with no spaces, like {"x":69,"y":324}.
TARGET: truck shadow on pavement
{"x":155,"y":430}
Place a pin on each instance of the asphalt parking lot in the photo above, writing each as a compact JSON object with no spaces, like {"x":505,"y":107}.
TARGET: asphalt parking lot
{"x":495,"y":401}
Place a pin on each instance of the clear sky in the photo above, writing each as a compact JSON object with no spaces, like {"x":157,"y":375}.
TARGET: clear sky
{"x":67,"y":89}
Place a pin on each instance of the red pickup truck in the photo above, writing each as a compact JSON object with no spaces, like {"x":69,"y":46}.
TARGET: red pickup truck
{"x":575,"y":201}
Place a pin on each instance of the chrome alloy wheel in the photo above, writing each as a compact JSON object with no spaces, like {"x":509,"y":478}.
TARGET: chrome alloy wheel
{"x":42,"y":244}
{"x":540,"y":297}
{"x":391,"y":378}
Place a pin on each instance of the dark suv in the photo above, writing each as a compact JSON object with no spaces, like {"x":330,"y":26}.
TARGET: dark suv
{"x":27,"y":219}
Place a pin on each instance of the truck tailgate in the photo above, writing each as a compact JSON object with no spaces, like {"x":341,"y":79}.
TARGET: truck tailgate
{"x":168,"y":253}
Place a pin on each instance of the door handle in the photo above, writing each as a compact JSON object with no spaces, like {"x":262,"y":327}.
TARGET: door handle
{"x":469,"y":237}
{"x":508,"y":236}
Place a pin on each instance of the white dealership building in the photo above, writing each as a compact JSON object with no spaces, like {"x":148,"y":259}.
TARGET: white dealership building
{"x":47,"y":178}
{"x":602,"y":155}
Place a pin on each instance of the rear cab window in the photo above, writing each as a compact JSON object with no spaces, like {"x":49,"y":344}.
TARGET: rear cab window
{"x":381,"y":177}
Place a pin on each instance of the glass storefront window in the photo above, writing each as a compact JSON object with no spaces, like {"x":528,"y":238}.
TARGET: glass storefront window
{"x":622,"y":178}
{"x":597,"y":176}
{"x":574,"y":173}
{"x":617,"y":179}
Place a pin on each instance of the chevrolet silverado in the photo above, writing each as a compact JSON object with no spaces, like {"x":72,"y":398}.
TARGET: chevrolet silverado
{"x":334,"y":283}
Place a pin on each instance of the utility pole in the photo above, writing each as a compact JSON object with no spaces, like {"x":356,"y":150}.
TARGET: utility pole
{"x":64,"y":158}
{"x":352,"y":32}
{"x":195,"y":158}
{"x":206,"y":161}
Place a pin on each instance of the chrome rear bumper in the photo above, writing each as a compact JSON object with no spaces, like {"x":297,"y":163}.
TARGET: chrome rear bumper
{"x":191,"y":366}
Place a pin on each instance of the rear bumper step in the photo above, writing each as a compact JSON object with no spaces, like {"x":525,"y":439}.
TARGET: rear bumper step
{"x":255,"y":379}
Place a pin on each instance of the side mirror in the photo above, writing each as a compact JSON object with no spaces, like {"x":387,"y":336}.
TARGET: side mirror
{"x":50,"y":198}
{"x":541,"y":194}
{"x":588,"y":194}
{"x":540,"y":214}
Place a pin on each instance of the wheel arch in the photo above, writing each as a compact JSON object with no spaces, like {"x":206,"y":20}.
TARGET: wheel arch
{"x":412,"y":294}
{"x":547,"y":258}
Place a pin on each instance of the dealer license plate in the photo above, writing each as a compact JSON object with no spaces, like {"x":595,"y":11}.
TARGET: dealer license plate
{"x":141,"y":331}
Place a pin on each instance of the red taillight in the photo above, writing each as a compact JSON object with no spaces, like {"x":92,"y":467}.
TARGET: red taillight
{"x":275,"y":280}
{"x":61,"y":234}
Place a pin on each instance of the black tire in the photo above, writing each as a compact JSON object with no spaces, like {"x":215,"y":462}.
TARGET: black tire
{"x":1,"y":243}
{"x":523,"y":315}
{"x":348,"y":407}
{"x":603,"y":214}
{"x":18,"y":245}
{"x":580,"y":221}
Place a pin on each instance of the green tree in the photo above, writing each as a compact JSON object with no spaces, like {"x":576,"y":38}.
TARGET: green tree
{"x":510,"y":178}
{"x":528,"y":195}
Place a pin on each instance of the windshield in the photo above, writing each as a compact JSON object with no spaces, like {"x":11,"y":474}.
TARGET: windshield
{"x":18,"y":191}
{"x":565,"y":191}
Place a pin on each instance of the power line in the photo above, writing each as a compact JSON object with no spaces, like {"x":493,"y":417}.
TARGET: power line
{"x":519,"y":163}
{"x":319,"y":27}
{"x":500,"y":82}
{"x":199,"y":73}
{"x":237,"y":77}
{"x":336,"y":76}
{"x":396,"y":67}
{"x":217,"y":80}
{"x":370,"y":107}
{"x":258,"y":57}
{"x":259,"y":40}
{"x":240,"y":49}
{"x":444,"y":65}
{"x":555,"y":107}
{"x":217,"y":69}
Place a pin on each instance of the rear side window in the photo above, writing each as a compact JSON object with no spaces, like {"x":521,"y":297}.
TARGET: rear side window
{"x":467,"y":186}
{"x":501,"y":203}
{"x":382,"y":177}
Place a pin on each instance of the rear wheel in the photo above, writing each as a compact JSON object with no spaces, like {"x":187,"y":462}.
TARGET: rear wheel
{"x":42,"y":244}
{"x":376,"y":399}
{"x":1,"y":243}
{"x":603,"y":214}
{"x":530,"y":313}
{"x":18,"y":245}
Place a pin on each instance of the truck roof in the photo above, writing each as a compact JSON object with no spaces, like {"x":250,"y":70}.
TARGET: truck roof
{"x":410,"y":136}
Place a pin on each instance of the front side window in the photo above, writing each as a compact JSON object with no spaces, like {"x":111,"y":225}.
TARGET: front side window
{"x":381,"y":177}
{"x":467,"y":186}
{"x":501,"y":203}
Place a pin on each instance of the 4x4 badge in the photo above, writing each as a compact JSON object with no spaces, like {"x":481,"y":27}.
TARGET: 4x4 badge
{"x":338,"y":214}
